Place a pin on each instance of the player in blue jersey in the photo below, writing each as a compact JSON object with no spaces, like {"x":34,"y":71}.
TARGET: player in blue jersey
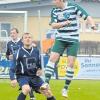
{"x":28,"y":70}
{"x":14,"y":44}
{"x":12,"y":47}
{"x":64,"y":18}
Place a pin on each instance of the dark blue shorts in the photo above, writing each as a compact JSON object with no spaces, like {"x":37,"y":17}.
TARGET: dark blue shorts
{"x":35,"y":82}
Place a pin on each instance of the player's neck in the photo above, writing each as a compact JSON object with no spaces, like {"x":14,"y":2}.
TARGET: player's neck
{"x":27,"y":47}
{"x":63,"y":5}
{"x":16,"y":39}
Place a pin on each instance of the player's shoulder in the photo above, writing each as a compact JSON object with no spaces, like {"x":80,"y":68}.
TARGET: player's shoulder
{"x":20,"y":40}
{"x":20,"y":50}
{"x":35,"y":49}
{"x":9,"y":42}
{"x":54,"y":10}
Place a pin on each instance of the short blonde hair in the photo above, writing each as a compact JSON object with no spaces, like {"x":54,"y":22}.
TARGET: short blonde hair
{"x":26,"y":34}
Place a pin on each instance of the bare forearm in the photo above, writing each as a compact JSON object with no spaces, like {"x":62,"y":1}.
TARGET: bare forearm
{"x":60,"y":24}
{"x":56,"y":25}
{"x":90,"y":21}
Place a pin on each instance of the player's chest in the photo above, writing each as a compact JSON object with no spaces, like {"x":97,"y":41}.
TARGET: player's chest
{"x":63,"y":15}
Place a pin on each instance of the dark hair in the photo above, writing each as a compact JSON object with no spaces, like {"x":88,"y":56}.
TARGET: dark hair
{"x":15,"y":29}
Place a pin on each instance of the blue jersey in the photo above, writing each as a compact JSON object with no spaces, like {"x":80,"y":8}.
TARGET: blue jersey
{"x":27,"y":62}
{"x":12,"y":47}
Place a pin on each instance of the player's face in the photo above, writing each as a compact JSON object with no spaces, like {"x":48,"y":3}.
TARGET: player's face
{"x":13,"y":34}
{"x":27,"y":39}
{"x":57,"y":3}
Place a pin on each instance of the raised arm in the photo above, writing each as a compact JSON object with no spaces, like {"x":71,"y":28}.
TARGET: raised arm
{"x":82,"y":13}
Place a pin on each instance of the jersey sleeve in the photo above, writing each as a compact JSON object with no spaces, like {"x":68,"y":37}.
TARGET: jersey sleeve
{"x":81,"y":12}
{"x":13,"y":64}
{"x":7,"y":52}
{"x":53,"y":16}
{"x":12,"y":69}
{"x":38,"y":63}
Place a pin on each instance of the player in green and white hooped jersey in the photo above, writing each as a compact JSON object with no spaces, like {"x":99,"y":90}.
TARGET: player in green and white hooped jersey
{"x":64,"y":18}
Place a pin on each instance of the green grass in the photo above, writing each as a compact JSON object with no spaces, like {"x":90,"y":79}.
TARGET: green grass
{"x":78,"y":90}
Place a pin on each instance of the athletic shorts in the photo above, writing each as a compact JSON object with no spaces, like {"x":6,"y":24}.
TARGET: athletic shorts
{"x":35,"y":82}
{"x":60,"y":46}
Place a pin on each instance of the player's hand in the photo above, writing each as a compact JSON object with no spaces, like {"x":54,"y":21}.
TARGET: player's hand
{"x":13,"y":83}
{"x":11,"y":57}
{"x":94,"y":27}
{"x":39,"y":72}
{"x":67,"y":22}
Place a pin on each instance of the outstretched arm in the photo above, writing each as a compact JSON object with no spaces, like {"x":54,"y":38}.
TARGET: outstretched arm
{"x":91,"y":22}
{"x":82,"y":13}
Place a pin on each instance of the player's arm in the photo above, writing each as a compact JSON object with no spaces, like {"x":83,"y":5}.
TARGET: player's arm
{"x":91,"y":22}
{"x":12,"y":72}
{"x":12,"y":76}
{"x":82,"y":13}
{"x":9,"y":56}
{"x":39,"y":70}
{"x":7,"y":52}
{"x":56,"y":25}
{"x":60,"y":24}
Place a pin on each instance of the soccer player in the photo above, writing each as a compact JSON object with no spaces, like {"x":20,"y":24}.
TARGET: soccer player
{"x":14,"y":44}
{"x":28,"y":70}
{"x":64,"y":18}
{"x":12,"y":47}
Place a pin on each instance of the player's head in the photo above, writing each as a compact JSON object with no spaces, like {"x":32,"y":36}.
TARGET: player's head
{"x":27,"y":39}
{"x":14,"y":33}
{"x":58,"y":3}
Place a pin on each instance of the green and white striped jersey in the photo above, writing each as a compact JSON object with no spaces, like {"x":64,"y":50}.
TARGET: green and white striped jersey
{"x":71,"y":12}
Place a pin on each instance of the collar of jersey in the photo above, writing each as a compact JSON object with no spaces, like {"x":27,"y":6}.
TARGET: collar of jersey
{"x":27,"y":51}
{"x":65,"y":6}
{"x":18,"y":39}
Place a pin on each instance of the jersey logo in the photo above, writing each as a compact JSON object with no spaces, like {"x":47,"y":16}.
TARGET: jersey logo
{"x":63,"y":16}
{"x":31,"y":63}
{"x":66,"y":15}
{"x":60,"y":16}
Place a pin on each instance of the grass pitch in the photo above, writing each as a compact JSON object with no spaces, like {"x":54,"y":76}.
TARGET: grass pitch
{"x":78,"y":90}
